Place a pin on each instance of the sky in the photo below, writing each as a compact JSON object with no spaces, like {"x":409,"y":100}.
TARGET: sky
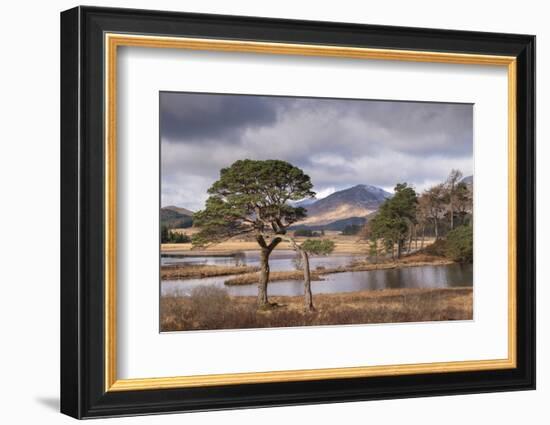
{"x":339,"y":143}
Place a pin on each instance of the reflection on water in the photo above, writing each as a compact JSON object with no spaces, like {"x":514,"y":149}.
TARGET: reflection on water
{"x":453,"y":275}
{"x":233,"y":260}
{"x":278,"y":260}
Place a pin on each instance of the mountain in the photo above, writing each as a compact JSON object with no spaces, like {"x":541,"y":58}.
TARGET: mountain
{"x":469,"y":180}
{"x":176,"y":217}
{"x":305,"y":202}
{"x":338,"y":225}
{"x":356,"y":202}
{"x":179,"y":210}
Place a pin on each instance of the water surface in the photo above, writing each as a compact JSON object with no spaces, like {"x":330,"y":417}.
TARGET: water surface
{"x":443,"y":276}
{"x":278,"y":260}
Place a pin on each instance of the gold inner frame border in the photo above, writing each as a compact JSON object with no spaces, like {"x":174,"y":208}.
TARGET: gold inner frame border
{"x":112,"y":41}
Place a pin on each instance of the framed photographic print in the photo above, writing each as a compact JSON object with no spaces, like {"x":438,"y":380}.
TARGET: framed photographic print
{"x":261,"y":212}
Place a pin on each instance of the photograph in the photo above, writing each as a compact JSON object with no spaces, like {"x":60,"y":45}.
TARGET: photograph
{"x":281,"y":211}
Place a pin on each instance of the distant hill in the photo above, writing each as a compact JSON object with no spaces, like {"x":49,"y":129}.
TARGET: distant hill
{"x":176,"y":217}
{"x":469,"y":180}
{"x":305,"y":202}
{"x":338,"y":225}
{"x":179,"y":210}
{"x":354,"y":203}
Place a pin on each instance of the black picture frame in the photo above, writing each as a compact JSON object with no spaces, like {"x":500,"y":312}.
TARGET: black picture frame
{"x":83,"y":392}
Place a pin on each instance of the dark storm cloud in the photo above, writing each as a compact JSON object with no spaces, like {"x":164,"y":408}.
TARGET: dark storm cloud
{"x":192,"y":117}
{"x":339,"y":143}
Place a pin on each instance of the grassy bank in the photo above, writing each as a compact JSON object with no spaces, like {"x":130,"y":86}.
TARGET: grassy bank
{"x":252,"y":278}
{"x":212,"y":308}
{"x":185,"y":271}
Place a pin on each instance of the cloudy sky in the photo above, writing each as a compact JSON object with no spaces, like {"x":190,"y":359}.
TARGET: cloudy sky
{"x":338,"y":142}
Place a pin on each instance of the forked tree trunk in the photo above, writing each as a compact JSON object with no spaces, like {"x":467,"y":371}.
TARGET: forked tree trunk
{"x":265,"y":251}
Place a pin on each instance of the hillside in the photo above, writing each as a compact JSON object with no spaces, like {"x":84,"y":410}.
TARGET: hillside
{"x":175,"y":217}
{"x":179,"y":210}
{"x":338,"y":225}
{"x":352,"y":204}
{"x":469,"y":180}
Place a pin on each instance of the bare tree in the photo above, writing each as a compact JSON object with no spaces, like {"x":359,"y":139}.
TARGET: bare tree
{"x":411,"y":232}
{"x":319,"y":247}
{"x":464,"y":201}
{"x":436,"y":205}
{"x":304,"y":260}
{"x":423,"y":216}
{"x":453,"y":180}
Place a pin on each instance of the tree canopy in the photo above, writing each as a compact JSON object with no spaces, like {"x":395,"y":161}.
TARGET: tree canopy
{"x":394,"y":218}
{"x":251,"y":196}
{"x":438,"y":210}
{"x":459,"y":244}
{"x":318,"y":246}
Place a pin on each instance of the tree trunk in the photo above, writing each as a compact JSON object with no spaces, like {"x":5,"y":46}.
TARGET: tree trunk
{"x":308,"y":297}
{"x":416,"y":237}
{"x":423,"y":233}
{"x":265,"y":251}
{"x":399,"y":248}
{"x":264,"y":278}
{"x":436,"y":229}
{"x":410,"y":240}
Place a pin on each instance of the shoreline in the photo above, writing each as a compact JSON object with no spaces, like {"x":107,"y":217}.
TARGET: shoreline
{"x":182,"y":272}
{"x":317,"y":274}
{"x":249,"y":275}
{"x":174,"y":253}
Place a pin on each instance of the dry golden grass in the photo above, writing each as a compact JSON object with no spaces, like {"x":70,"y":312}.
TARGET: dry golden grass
{"x":343,"y":244}
{"x":195,"y":271}
{"x":419,"y":258}
{"x":412,"y":260}
{"x":252,"y":278}
{"x":211,"y":308}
